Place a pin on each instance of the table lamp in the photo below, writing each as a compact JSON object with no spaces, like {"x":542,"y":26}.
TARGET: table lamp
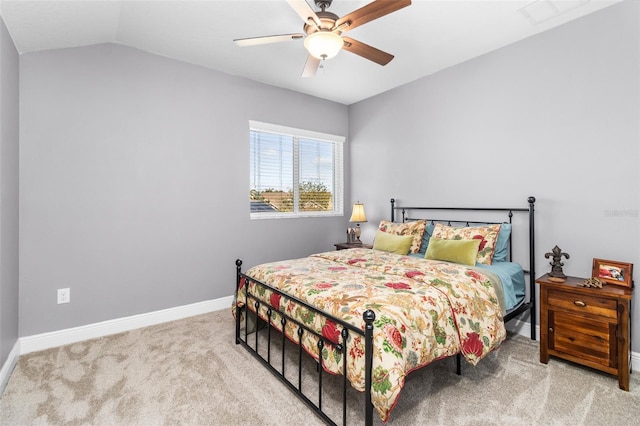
{"x":358,"y":216}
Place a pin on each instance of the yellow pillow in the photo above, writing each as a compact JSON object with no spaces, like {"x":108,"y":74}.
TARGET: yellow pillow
{"x":399,"y":244}
{"x":456,"y":251}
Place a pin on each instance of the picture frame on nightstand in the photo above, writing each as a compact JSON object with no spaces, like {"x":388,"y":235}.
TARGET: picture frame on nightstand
{"x":613,"y":272}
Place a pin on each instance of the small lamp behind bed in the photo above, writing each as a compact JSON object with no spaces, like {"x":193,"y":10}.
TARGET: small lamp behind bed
{"x":358,"y":216}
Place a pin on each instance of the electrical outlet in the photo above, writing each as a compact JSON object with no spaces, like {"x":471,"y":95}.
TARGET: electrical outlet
{"x":64,"y":295}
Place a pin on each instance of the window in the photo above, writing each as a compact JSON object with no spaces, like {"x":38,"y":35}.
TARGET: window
{"x":294,"y":173}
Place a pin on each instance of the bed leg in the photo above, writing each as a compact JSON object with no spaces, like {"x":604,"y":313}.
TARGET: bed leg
{"x":533,"y":322}
{"x":238,"y":310}
{"x":238,"y":271}
{"x":369,"y":316}
{"x":532,"y":265}
{"x":458,"y":366}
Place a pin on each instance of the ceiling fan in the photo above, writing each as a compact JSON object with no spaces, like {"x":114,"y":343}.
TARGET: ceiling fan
{"x":324,"y":31}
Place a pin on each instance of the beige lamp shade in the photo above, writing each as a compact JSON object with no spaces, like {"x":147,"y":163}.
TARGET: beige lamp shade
{"x":357,"y":215}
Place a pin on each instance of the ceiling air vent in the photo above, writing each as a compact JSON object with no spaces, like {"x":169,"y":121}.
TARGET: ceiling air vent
{"x":540,"y":11}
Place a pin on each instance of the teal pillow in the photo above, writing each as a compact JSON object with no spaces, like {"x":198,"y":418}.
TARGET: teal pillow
{"x":502,"y":243}
{"x":399,"y":244}
{"x":456,"y":251}
{"x":425,"y":238}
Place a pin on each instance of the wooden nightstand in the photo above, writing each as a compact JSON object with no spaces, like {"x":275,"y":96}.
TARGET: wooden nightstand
{"x":589,"y":326}
{"x":342,"y":246}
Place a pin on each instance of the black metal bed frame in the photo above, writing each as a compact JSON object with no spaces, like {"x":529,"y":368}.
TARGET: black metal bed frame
{"x":242,"y":311}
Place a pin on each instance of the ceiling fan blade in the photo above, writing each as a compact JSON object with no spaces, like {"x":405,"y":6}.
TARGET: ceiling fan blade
{"x":311,"y":66}
{"x":373,"y":10}
{"x":254,"y":41}
{"x":366,"y":51}
{"x":305,"y":11}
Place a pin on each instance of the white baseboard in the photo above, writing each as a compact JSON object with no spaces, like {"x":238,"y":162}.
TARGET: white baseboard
{"x":53,"y":339}
{"x":522,"y":328}
{"x":9,"y":365}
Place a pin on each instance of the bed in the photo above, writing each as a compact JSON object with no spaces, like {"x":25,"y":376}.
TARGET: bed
{"x":372,"y":316}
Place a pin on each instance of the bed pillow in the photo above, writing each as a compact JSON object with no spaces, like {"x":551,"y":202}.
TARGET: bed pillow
{"x":414,"y":228}
{"x":425,"y":238}
{"x":502,"y":245}
{"x":399,"y":244}
{"x":457,"y":251}
{"x":488,"y":235}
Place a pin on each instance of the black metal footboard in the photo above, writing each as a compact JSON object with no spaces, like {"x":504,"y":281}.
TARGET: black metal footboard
{"x":251,"y":305}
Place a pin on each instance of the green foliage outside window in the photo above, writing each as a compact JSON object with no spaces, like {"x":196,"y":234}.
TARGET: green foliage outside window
{"x":314,"y":196}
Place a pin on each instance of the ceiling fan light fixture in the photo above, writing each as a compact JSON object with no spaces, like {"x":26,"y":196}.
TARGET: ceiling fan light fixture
{"x":323,"y":44}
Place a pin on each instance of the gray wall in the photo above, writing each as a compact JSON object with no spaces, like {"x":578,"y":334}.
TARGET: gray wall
{"x":134,"y":181}
{"x":555,"y":116}
{"x":9,"y":128}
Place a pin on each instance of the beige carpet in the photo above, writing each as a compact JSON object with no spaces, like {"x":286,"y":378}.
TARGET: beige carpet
{"x":190,"y":372}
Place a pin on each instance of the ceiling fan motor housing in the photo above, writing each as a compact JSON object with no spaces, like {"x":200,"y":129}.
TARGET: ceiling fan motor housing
{"x":327,"y":22}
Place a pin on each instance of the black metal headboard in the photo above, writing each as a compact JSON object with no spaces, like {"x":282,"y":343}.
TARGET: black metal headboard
{"x":529,"y":305}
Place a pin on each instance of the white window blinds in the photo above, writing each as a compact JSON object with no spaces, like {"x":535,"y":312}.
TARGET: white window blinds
{"x":294,"y":172}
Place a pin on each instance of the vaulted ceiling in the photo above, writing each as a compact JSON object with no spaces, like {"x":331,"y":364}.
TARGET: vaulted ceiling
{"x":425,"y":37}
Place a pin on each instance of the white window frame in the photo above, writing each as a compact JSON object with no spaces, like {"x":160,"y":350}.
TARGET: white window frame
{"x":338,"y":169}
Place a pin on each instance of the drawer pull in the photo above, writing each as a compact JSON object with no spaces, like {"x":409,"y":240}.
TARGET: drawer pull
{"x":579,"y":303}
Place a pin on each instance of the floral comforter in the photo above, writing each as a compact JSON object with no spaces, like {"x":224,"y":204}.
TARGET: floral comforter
{"x":425,"y":310}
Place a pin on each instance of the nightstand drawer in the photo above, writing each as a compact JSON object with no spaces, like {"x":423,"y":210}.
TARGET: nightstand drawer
{"x":583,"y":304}
{"x":585,"y":338}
